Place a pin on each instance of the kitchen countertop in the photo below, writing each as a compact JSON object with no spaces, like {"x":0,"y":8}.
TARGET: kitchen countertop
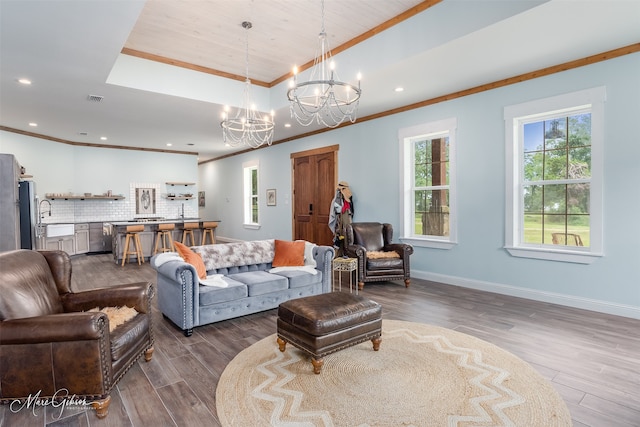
{"x":161,"y":221}
{"x":133,"y":221}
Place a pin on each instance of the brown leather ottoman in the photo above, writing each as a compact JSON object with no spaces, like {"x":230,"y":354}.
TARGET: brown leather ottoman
{"x":325,"y":323}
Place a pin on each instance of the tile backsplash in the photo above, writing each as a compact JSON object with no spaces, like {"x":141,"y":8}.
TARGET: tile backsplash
{"x":104,"y":210}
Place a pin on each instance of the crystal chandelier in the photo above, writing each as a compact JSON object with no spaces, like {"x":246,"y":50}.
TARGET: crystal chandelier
{"x":247,"y":127}
{"x":323,"y":99}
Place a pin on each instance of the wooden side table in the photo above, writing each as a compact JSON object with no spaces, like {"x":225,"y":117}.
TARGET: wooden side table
{"x":345,"y":264}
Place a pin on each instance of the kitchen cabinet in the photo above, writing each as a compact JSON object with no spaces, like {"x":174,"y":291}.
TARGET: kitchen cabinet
{"x":82,"y":238}
{"x":87,"y":237}
{"x":61,"y":243}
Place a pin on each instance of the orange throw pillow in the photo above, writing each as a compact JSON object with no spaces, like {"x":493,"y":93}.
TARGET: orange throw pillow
{"x":192,"y":258}
{"x":288,"y":254}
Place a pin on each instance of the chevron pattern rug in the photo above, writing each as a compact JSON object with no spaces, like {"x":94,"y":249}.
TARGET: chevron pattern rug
{"x":422,"y":376}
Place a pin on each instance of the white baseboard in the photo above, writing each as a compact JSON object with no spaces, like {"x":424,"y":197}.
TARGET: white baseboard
{"x":533,"y":294}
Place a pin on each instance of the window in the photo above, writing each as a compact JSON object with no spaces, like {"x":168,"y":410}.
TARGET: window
{"x":251,"y":194}
{"x":428,"y":197}
{"x":554,"y":173}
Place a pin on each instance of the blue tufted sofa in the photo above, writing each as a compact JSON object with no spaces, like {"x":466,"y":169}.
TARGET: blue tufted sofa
{"x":245,"y":284}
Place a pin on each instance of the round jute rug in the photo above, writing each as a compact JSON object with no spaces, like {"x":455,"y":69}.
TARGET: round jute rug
{"x":422,"y":376}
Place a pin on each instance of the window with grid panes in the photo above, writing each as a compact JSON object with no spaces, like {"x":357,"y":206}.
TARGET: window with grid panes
{"x":429,"y":184}
{"x":554,"y":177}
{"x":251,"y":211}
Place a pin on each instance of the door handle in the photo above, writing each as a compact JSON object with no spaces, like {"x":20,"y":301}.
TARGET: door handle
{"x":310,"y":208}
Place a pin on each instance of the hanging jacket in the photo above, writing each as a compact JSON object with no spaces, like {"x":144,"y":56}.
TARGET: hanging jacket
{"x":336,"y":209}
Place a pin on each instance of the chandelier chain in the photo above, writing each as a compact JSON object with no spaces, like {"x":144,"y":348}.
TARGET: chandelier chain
{"x":247,"y":25}
{"x":322,"y":12}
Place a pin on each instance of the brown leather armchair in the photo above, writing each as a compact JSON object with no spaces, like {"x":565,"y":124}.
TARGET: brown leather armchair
{"x":50,"y":345}
{"x":367,"y":237}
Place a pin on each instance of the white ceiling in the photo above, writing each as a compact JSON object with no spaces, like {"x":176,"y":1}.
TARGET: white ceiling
{"x":72,"y":48}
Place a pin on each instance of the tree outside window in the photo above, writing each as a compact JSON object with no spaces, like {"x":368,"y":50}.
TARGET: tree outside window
{"x":431,"y":186}
{"x":556,"y":186}
{"x":554,"y":171}
{"x":428,"y":176}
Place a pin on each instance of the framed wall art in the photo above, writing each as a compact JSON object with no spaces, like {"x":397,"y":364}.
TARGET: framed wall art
{"x":145,"y":201}
{"x":271,"y":197}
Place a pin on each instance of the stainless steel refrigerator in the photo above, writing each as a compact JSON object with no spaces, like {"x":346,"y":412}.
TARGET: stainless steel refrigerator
{"x":28,"y":214}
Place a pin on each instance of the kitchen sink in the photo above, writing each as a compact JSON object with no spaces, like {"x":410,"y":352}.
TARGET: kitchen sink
{"x":55,"y":230}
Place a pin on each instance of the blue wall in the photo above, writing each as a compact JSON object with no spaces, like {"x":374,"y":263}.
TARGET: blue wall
{"x":59,"y":168}
{"x":64,"y":168}
{"x":369,"y":161}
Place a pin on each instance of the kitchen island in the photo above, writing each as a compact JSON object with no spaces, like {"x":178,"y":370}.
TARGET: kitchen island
{"x":148,"y":236}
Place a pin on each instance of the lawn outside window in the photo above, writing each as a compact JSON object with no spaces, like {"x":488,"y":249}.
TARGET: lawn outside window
{"x":554,"y":177}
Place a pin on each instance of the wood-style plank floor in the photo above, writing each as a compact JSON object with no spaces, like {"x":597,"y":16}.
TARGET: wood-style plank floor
{"x":592,"y":359}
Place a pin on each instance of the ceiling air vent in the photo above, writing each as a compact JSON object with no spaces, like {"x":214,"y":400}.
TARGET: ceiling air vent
{"x":95,"y":98}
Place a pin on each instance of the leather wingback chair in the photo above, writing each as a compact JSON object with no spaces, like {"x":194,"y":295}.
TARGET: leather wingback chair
{"x":363,"y":237}
{"x":50,"y":344}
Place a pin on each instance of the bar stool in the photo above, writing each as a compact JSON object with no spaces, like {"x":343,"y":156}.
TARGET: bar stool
{"x":132,"y":238}
{"x":187,"y":232}
{"x":207,"y":230}
{"x":164,"y":235}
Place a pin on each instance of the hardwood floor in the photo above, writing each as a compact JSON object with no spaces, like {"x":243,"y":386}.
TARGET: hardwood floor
{"x":592,"y":359}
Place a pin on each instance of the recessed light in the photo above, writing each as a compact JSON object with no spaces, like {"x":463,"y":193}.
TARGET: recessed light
{"x":103,"y":138}
{"x":32,"y":124}
{"x":24,"y":81}
{"x":399,"y":89}
{"x":287,"y":125}
{"x":169,"y":144}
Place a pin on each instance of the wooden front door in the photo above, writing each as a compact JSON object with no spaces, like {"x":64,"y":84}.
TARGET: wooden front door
{"x":314,"y":181}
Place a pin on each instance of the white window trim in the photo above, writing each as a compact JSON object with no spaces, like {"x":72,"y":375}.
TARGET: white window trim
{"x":513,"y":116}
{"x":246,"y":194}
{"x":405,"y":138}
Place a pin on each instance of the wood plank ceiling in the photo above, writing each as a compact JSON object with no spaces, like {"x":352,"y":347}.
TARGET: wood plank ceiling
{"x":209,"y":34}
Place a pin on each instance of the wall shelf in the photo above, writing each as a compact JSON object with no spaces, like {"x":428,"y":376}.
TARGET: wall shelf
{"x":186,"y":184}
{"x":175,"y":194}
{"x":71,"y":197}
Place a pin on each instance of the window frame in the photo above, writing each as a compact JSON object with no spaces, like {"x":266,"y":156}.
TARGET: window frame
{"x":248,"y":194}
{"x":515,"y":117}
{"x":406,"y":139}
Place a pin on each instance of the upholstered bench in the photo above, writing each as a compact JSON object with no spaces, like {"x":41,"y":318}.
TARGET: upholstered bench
{"x":325,"y":323}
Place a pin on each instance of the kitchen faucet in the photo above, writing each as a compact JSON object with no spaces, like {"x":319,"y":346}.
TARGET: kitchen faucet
{"x":40,"y":211}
